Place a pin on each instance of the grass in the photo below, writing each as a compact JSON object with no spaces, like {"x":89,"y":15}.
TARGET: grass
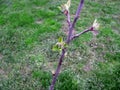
{"x":29,"y":29}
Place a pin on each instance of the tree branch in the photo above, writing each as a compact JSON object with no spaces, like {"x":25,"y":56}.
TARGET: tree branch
{"x":68,"y":19}
{"x":78,"y":12}
{"x":58,"y":69}
{"x":77,"y":35}
{"x":74,"y":22}
{"x":71,"y":27}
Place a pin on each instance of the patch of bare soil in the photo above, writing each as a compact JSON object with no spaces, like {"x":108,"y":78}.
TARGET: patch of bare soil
{"x":116,"y":29}
{"x":2,"y":71}
{"x":94,"y":56}
{"x":25,"y":70}
{"x":64,"y":28}
{"x":88,"y":67}
{"x":1,"y":56}
{"x":3,"y":74}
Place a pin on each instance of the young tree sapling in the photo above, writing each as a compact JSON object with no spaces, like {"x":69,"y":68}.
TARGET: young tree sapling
{"x":63,"y":45}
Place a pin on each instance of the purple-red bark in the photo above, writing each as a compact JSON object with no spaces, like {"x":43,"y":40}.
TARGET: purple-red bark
{"x":70,"y":37}
{"x":71,"y":27}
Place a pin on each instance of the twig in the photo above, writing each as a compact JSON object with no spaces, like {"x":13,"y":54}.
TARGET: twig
{"x":77,"y":35}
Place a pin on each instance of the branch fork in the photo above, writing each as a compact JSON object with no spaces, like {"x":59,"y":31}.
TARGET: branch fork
{"x":70,"y":35}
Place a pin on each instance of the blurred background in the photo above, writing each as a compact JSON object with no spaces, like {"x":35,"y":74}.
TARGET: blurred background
{"x":30,"y":28}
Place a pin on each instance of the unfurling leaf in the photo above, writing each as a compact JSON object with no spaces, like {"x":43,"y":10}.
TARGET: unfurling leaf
{"x":69,"y":3}
{"x":55,"y":48}
{"x":95,"y":25}
{"x":59,"y":45}
{"x":60,"y":8}
{"x":60,"y":39}
{"x":65,"y":7}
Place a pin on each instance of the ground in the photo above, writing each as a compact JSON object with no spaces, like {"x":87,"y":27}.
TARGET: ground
{"x":28,"y":31}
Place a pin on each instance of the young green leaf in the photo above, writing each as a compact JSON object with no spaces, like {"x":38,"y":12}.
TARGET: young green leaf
{"x":60,"y":39}
{"x":55,"y":48}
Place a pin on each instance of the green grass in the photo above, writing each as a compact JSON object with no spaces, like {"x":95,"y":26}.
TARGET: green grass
{"x":29,"y":29}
